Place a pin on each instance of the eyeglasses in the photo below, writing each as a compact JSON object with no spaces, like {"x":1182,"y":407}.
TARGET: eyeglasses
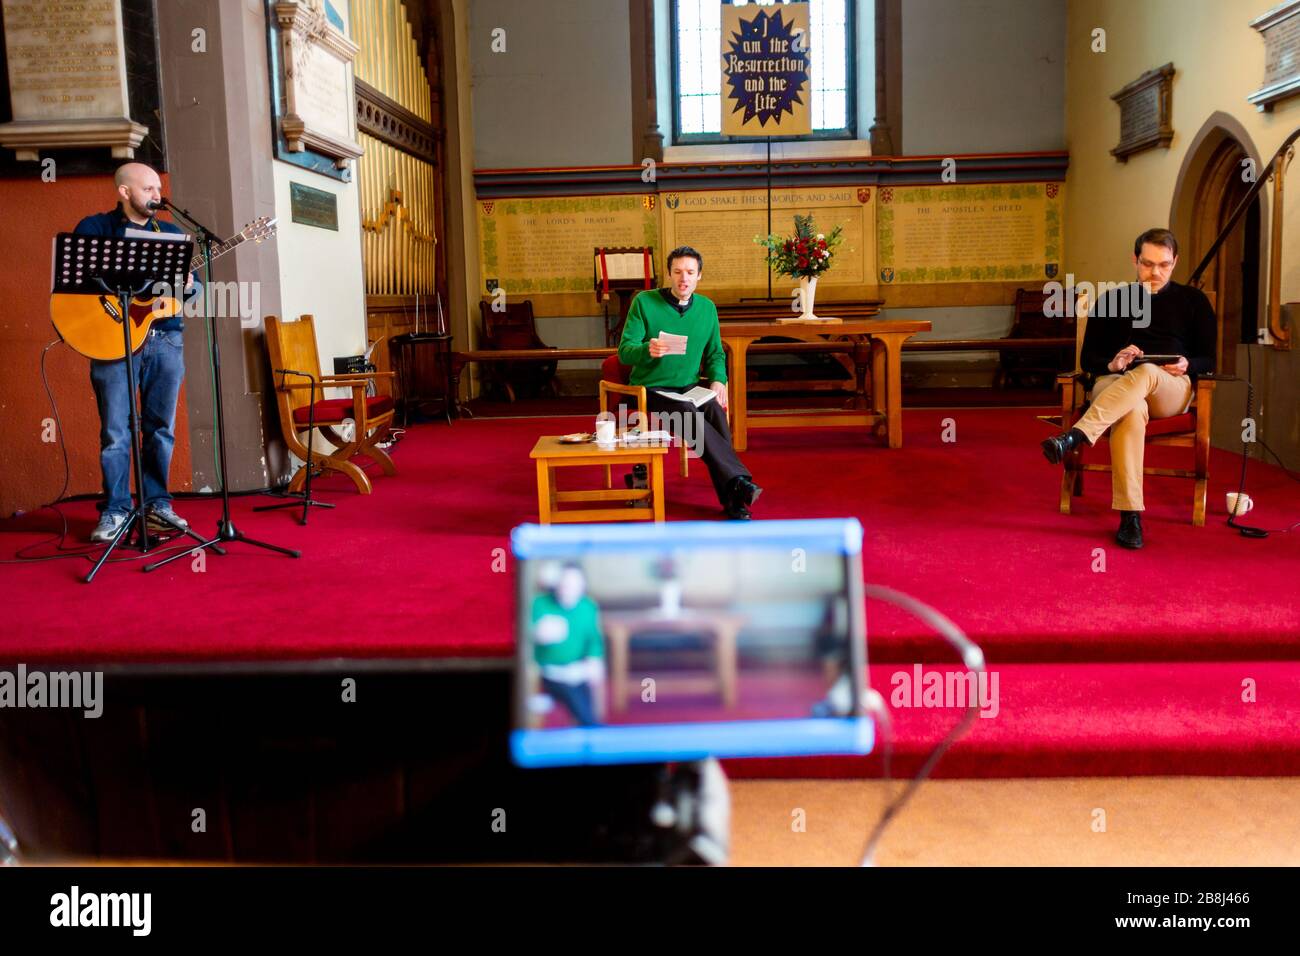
{"x":1159,"y":266}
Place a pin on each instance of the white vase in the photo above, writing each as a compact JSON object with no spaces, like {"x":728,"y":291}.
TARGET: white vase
{"x":807,"y":293}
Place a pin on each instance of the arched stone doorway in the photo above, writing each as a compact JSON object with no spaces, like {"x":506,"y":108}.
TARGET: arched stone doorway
{"x":1217,"y":172}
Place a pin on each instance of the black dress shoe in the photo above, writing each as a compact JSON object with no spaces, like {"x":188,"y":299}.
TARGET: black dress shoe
{"x":744,"y":492}
{"x":1056,"y":448}
{"x":1129,"y":534}
{"x":737,"y":512}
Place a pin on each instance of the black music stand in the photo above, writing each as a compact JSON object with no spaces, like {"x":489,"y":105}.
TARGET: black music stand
{"x":226,"y":530}
{"x":123,"y":268}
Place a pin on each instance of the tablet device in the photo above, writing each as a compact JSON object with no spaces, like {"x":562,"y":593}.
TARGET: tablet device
{"x":642,"y":643}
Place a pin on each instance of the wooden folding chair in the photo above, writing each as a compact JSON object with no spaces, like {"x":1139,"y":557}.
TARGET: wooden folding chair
{"x":614,"y":381}
{"x":303,"y":407}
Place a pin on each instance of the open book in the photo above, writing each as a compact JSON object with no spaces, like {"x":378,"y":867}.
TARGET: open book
{"x":696,"y":396}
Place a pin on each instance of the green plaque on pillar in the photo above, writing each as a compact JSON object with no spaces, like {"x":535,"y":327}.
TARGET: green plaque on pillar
{"x":313,"y":207}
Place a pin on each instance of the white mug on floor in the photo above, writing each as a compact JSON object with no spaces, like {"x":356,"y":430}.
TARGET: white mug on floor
{"x":1239,"y":508}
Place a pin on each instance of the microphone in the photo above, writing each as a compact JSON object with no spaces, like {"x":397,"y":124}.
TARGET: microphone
{"x":161,"y":203}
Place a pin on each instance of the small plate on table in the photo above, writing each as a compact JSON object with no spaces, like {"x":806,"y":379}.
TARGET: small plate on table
{"x":577,"y":438}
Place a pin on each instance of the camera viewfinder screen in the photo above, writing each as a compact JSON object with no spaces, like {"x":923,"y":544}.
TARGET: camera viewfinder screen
{"x":643,"y":643}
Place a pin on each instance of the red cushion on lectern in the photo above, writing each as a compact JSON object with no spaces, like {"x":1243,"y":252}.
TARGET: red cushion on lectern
{"x":612,"y":370}
{"x":336,"y":409}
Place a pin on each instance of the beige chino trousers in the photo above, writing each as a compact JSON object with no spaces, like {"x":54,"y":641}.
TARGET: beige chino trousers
{"x":1124,"y":404}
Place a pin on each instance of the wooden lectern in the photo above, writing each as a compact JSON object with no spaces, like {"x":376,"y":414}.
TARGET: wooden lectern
{"x":625,"y":270}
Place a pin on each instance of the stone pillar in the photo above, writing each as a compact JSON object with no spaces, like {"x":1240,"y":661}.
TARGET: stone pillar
{"x":217,"y":106}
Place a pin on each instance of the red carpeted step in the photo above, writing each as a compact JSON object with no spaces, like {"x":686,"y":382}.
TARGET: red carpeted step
{"x":420,"y":568}
{"x":1088,"y":719}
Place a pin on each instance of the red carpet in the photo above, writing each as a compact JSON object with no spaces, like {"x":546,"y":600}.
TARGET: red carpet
{"x":969,"y":526}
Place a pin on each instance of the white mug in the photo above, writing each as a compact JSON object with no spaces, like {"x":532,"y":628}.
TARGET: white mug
{"x":605,"y":430}
{"x":1239,"y":508}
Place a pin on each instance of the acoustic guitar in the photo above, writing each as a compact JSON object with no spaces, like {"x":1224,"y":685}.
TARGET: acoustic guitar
{"x":91,"y":323}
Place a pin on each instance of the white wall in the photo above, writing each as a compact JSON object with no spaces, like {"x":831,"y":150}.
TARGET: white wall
{"x":983,"y":76}
{"x":321,"y":271}
{"x":559,"y":95}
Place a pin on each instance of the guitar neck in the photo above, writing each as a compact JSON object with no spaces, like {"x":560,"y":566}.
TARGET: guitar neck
{"x":220,"y":249}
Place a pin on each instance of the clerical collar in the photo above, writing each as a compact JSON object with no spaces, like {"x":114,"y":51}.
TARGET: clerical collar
{"x":671,"y":298}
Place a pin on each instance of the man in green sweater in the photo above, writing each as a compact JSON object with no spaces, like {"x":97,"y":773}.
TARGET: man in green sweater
{"x":652,"y":344}
{"x":568,"y":646}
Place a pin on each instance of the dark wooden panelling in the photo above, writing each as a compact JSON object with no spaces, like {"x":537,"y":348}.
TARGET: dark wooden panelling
{"x":289,"y":772}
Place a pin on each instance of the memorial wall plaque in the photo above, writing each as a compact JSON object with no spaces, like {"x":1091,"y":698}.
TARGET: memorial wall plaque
{"x":315,"y":62}
{"x":1280,"y":28}
{"x":1009,"y":232}
{"x":67,"y":78}
{"x":1145,"y":113}
{"x":722,"y":225}
{"x":313,"y":207}
{"x":539,"y":246}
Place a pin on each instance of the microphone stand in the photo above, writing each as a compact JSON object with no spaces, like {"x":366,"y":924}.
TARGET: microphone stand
{"x":305,"y":495}
{"x":226,"y":530}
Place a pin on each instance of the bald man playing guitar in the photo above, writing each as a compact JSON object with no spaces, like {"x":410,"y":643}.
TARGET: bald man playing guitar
{"x":159,"y":369}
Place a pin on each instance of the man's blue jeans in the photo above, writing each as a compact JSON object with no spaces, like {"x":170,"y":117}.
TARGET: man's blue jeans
{"x":159,"y":368}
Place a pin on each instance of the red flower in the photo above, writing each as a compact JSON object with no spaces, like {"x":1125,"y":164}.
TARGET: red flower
{"x":803,"y":263}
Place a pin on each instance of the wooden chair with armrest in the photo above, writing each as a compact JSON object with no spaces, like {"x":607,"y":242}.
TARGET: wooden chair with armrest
{"x":1190,"y":429}
{"x":1033,"y":367}
{"x":614,"y":377}
{"x":303,"y":406}
{"x":515,"y":328}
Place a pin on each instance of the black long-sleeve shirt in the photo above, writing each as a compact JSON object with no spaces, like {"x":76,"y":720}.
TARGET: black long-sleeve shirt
{"x":1181,"y":322}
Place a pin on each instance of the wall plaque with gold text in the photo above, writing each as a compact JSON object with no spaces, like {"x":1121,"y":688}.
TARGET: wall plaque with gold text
{"x":531,"y":246}
{"x":1145,"y":114}
{"x":1280,"y":28}
{"x":313,"y":207}
{"x":985,"y":233}
{"x":316,"y":61}
{"x":67,"y":78}
{"x":722,"y":226}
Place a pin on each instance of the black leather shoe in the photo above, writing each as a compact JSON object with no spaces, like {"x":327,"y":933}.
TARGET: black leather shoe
{"x":737,"y":512}
{"x":1056,"y":448}
{"x":1129,"y":534}
{"x":744,"y":492}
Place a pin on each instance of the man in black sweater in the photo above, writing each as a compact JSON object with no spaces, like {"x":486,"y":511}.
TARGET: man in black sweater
{"x":1153,"y":316}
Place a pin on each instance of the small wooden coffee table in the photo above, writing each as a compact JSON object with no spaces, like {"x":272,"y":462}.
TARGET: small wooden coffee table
{"x":550,"y":454}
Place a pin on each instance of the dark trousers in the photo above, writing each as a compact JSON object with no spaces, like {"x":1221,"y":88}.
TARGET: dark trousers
{"x":706,"y":431}
{"x":576,"y":699}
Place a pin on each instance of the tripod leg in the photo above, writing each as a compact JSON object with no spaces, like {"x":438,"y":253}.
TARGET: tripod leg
{"x":269,"y":547}
{"x":190,"y":533}
{"x":123,"y":534}
{"x":185,"y":554}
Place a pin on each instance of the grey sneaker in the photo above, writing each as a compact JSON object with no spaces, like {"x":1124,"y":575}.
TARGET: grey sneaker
{"x":110,"y":523}
{"x":163,"y":518}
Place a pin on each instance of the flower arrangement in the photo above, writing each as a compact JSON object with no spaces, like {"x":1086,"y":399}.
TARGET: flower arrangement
{"x":806,"y":254}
